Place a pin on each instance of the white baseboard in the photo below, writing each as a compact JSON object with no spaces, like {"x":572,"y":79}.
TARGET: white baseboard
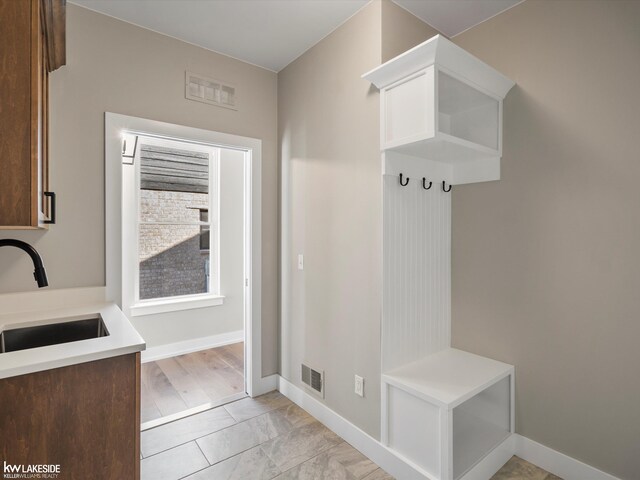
{"x":190,"y":346}
{"x":555,"y":462}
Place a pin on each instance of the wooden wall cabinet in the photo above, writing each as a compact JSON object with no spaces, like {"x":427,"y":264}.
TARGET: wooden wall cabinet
{"x":32,"y":44}
{"x":84,"y":417}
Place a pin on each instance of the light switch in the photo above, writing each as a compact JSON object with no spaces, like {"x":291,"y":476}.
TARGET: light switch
{"x":300,"y":261}
{"x":359,"y":385}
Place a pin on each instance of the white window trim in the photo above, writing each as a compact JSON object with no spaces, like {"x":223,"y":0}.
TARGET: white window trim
{"x":131,"y":229}
{"x":175,"y":304}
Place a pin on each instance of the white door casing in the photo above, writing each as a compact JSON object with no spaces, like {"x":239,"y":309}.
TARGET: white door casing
{"x":115,"y":125}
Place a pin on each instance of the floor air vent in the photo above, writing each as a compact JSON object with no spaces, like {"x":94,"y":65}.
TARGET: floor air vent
{"x":314,"y":379}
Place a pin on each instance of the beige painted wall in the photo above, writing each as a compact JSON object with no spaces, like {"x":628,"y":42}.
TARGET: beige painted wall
{"x":117,"y":67}
{"x":331,"y":184}
{"x":328,"y":121}
{"x":401,"y":30}
{"x":546,"y":262}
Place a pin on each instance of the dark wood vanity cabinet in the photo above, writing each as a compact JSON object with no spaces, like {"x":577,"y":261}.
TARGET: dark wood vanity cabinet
{"x":84,"y":418}
{"x":32,"y":44}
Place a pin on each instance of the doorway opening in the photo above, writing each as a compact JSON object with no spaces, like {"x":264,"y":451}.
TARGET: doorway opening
{"x":183,"y":231}
{"x":183,"y":260}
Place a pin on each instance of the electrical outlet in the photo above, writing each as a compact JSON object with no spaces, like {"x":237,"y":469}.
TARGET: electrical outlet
{"x":300,"y":261}
{"x":359,"y":385}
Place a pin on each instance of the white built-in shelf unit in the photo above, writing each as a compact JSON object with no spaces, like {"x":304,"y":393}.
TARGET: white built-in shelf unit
{"x":443,"y":105}
{"x":445,"y":411}
{"x":448,"y":410}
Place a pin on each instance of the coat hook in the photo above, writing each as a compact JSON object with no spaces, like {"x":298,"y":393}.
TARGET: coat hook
{"x":424,"y":184}
{"x":445,"y":189}
{"x":405,"y":183}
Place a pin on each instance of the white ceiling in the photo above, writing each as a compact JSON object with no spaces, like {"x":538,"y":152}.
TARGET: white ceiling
{"x":452,"y":17}
{"x":273,"y":33}
{"x":268,"y":33}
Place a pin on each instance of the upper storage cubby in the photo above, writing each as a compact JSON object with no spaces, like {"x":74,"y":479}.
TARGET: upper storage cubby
{"x":465,"y":113}
{"x":442,"y":104}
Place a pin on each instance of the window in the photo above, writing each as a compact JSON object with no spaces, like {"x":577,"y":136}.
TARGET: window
{"x":177,"y":200}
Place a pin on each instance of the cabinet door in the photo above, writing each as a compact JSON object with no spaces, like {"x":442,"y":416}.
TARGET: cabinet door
{"x":82,"y":417}
{"x":24,"y":117}
{"x":15,"y":114}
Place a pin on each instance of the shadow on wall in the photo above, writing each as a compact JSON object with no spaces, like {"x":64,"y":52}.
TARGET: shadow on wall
{"x":179,"y":270}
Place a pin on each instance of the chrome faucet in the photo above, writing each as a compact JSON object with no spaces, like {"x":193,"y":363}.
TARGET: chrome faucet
{"x":39,"y":273}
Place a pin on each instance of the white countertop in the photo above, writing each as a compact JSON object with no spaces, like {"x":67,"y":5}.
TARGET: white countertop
{"x":122,"y":339}
{"x":449,"y":377}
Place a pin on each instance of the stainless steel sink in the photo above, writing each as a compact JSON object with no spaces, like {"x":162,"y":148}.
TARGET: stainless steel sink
{"x":51,"y":334}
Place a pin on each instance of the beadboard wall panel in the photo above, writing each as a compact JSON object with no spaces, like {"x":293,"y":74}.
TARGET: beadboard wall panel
{"x":417,"y":271}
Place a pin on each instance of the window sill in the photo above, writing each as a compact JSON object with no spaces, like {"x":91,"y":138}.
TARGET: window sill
{"x":151,"y":307}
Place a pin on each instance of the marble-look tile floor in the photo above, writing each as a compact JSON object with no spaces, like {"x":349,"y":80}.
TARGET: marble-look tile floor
{"x":266,"y":438}
{"x":518,"y":469}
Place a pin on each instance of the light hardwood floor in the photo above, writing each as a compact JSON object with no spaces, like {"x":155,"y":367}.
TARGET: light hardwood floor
{"x":179,"y":383}
{"x":266,"y":438}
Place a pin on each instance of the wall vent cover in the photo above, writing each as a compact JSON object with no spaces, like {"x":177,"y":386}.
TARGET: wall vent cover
{"x":209,"y":90}
{"x":314,"y":379}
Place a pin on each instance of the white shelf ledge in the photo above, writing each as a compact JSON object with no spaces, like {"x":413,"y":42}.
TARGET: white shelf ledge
{"x":449,"y":377}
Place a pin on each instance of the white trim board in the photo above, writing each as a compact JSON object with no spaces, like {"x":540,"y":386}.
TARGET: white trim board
{"x":555,"y":462}
{"x":189,"y":346}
